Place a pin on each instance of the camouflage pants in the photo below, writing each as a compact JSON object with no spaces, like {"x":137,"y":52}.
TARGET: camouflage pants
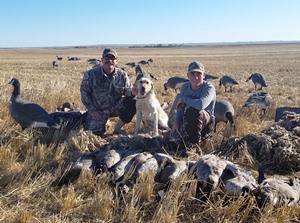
{"x":96,"y":120}
{"x":197,"y":124}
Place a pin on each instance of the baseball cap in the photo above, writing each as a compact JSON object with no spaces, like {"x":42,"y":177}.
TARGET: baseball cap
{"x":109,"y":51}
{"x":195,"y":66}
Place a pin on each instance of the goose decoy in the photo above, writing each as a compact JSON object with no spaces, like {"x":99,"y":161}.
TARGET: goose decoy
{"x":175,"y":83}
{"x":209,"y":77}
{"x":261,"y":99}
{"x":138,"y":70}
{"x":55,"y":63}
{"x":59,"y":58}
{"x":28,"y":114}
{"x":228,"y":81}
{"x":143,"y":62}
{"x":224,"y":112}
{"x":131,"y":64}
{"x":146,"y":75}
{"x":258,"y":80}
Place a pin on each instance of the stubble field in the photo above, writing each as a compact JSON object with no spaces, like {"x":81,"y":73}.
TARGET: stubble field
{"x":29,"y":168}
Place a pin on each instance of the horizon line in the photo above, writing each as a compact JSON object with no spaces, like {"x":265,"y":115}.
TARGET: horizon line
{"x":149,"y":45}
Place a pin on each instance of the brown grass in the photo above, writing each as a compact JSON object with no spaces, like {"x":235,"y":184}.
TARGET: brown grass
{"x":29,"y":168}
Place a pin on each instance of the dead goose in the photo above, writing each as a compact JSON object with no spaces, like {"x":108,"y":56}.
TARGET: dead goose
{"x":132,"y":165}
{"x":212,"y":171}
{"x":258,"y":80}
{"x":107,"y":158}
{"x":277,"y":191}
{"x":224,"y":112}
{"x":86,"y":162}
{"x":28,"y":114}
{"x":228,"y":81}
{"x":126,"y":164}
{"x":237,"y":180}
{"x":208,"y":170}
{"x":153,"y":164}
{"x":171,"y":171}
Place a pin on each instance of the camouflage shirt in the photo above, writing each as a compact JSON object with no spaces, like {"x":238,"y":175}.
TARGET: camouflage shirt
{"x":100,"y":91}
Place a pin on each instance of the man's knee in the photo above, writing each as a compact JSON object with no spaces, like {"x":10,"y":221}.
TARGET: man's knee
{"x":95,"y":122}
{"x":193,"y":114}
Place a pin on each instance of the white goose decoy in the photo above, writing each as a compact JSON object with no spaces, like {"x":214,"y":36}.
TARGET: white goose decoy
{"x":258,"y":80}
{"x":261,"y":99}
{"x":224,"y":112}
{"x":175,"y":83}
{"x":228,"y":81}
{"x":28,"y":114}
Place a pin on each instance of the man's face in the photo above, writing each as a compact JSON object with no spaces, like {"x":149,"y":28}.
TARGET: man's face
{"x":196,"y":77}
{"x":109,"y":62}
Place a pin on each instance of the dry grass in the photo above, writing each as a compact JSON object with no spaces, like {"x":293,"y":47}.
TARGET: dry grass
{"x":29,"y":168}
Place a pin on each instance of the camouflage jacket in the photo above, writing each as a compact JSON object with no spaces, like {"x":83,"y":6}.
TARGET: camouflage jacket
{"x":100,"y":91}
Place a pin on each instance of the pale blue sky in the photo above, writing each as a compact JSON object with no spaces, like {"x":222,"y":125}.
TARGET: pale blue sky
{"x":38,"y":23}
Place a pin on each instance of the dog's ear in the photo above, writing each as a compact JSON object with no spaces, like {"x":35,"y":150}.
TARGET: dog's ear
{"x":152,"y":87}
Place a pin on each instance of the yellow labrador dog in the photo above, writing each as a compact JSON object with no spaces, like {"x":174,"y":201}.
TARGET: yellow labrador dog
{"x":148,"y":107}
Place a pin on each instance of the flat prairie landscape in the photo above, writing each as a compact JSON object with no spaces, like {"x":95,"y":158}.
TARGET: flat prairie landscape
{"x":29,"y":168}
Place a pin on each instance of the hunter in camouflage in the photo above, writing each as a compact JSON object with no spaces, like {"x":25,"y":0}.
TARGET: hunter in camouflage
{"x":106,"y":92}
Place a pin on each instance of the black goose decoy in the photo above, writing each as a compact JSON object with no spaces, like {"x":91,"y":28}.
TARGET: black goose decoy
{"x":258,"y":80}
{"x":224,"y":111}
{"x":228,"y":81}
{"x":28,"y":114}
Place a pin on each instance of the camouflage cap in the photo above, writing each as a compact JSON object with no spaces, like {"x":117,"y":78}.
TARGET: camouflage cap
{"x":195,"y":66}
{"x":109,"y":51}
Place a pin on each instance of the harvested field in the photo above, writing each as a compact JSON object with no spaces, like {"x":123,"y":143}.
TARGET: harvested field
{"x":31,"y":164}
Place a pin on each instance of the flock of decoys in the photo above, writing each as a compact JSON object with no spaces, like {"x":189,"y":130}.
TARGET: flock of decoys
{"x":224,"y":110}
{"x":29,"y":114}
{"x":56,"y":62}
